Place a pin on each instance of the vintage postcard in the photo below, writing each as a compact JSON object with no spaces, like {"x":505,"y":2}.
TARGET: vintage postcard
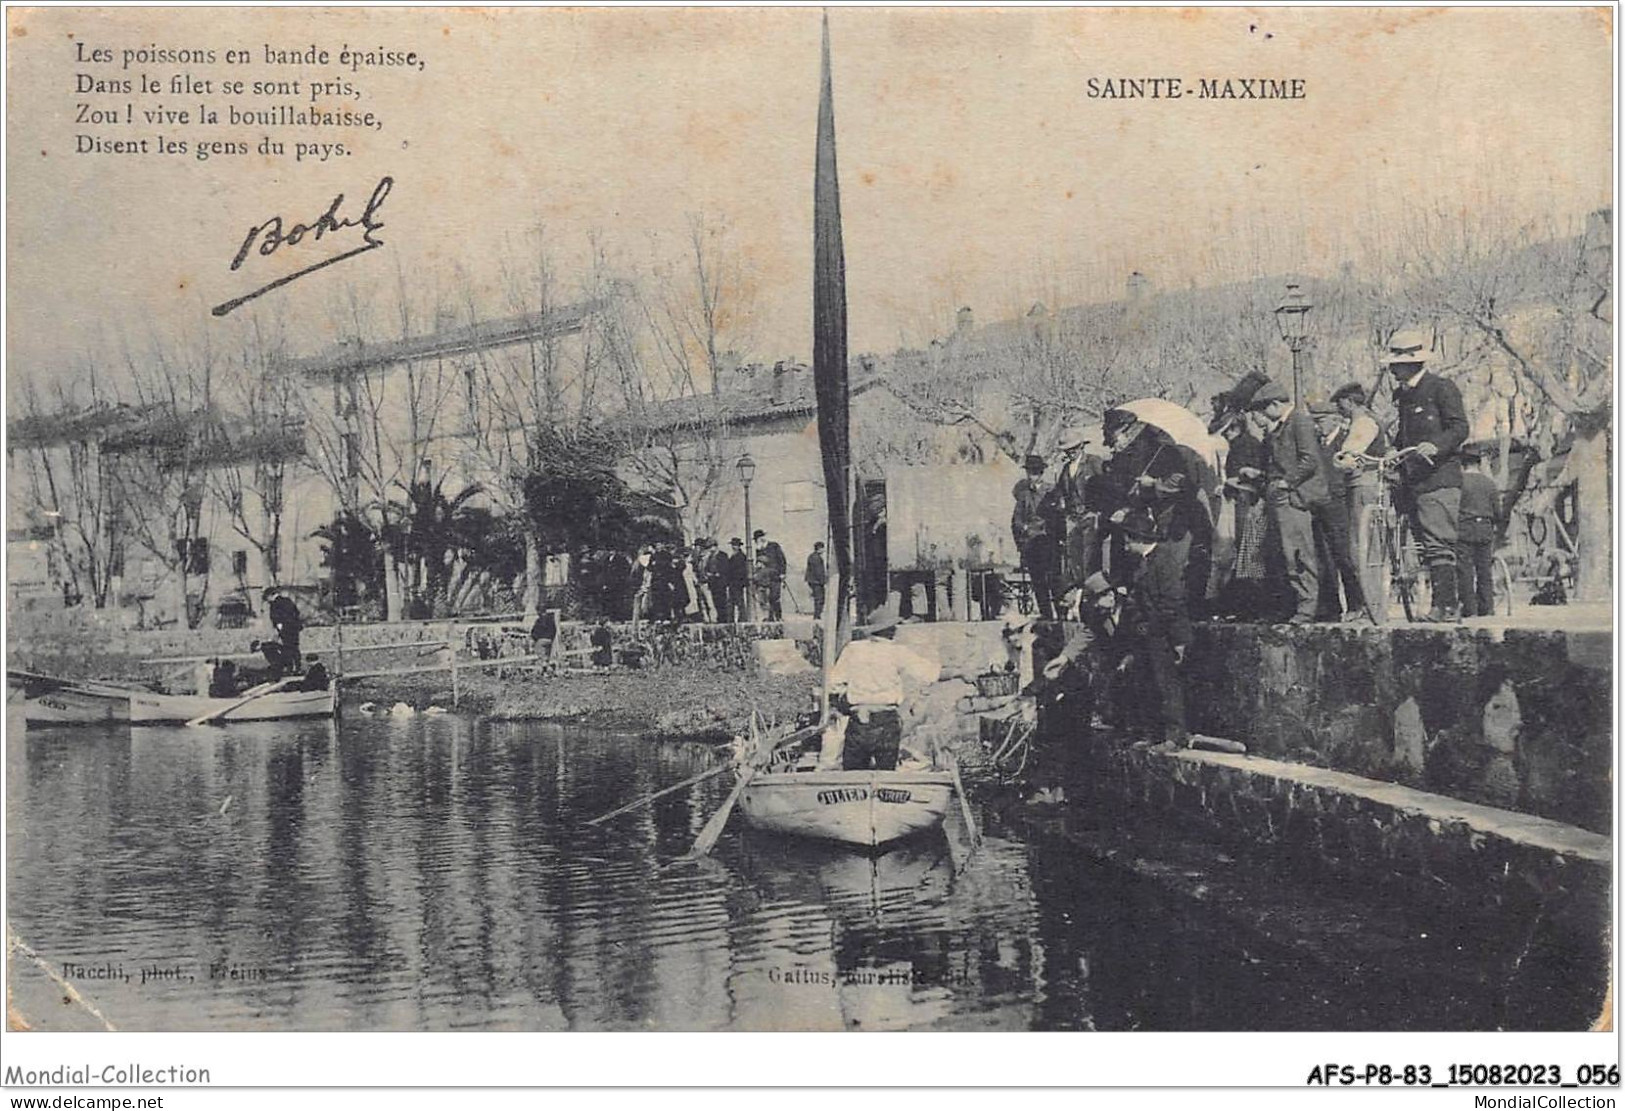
{"x":1048,"y":519}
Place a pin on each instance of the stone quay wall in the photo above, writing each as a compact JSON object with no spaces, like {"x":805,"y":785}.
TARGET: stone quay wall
{"x":1516,"y":719}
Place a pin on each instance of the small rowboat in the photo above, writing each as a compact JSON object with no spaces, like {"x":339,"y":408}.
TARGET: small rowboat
{"x":865,"y":808}
{"x":282,"y":705}
{"x":48,"y":700}
{"x":75,"y":705}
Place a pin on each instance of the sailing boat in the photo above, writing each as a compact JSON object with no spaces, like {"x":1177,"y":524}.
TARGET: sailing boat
{"x":781,"y":785}
{"x":785,"y":790}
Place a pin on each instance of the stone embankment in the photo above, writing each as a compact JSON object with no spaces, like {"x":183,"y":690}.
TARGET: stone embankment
{"x":1519,"y":719}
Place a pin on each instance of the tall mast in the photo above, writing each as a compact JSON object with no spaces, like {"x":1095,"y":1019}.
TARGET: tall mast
{"x":829,"y":351}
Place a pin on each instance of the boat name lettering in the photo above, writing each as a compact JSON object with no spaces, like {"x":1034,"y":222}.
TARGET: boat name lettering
{"x":893,"y":794}
{"x":843,"y":794}
{"x":53,"y":703}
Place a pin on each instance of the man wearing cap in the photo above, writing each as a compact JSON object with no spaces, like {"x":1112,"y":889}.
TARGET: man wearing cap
{"x":817,"y":578}
{"x":1147,"y":471}
{"x":285,"y":619}
{"x":1295,"y":481}
{"x":1158,"y":623}
{"x":1074,"y":679}
{"x":1431,"y":420}
{"x":713,"y":570}
{"x":1248,"y":593}
{"x":1076,"y":519}
{"x":1331,"y":525}
{"x":1475,"y":534}
{"x":771,"y":568}
{"x":1030,"y":529}
{"x":736,"y":567}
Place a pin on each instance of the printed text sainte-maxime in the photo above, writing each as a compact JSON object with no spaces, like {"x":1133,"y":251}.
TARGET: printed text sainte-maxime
{"x":1203,"y":88}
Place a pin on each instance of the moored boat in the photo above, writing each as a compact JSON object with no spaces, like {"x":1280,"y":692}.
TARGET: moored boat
{"x":78,"y":705}
{"x":867,"y":808}
{"x":279,"y":705}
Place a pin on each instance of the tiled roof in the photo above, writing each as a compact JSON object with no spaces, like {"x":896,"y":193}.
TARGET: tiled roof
{"x":742,"y":404}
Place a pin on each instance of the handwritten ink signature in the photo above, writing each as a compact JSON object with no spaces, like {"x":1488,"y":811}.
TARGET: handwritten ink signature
{"x":265,"y":239}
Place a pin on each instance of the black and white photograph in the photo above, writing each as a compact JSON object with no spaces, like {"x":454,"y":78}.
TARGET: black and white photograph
{"x":807,"y":520}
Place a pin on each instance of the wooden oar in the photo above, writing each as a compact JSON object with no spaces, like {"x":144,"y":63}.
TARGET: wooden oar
{"x":964,"y":803}
{"x":713,"y":828}
{"x":256,"y":692}
{"x":647,"y":799}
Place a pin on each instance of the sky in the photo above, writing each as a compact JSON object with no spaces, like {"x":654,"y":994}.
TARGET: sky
{"x":975,"y":168}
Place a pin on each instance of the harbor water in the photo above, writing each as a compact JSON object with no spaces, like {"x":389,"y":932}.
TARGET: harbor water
{"x":435,"y":873}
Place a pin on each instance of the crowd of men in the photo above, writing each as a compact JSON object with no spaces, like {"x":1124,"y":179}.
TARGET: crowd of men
{"x":1125,"y":545}
{"x":702,"y":582}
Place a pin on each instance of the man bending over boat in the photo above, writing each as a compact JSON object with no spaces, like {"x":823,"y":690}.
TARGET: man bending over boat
{"x":870,"y":684}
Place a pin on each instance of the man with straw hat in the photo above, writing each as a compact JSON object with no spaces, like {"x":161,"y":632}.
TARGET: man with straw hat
{"x":871,"y":685}
{"x":1433,"y":422}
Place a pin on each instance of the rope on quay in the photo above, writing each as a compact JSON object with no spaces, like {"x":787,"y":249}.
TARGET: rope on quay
{"x":16,"y":944}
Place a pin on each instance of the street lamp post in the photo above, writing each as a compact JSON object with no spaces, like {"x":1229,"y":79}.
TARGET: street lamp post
{"x":746,"y":466}
{"x":1292,"y":315}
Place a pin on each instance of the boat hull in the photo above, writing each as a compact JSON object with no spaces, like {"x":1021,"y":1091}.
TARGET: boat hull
{"x":75,"y":706}
{"x":864,"y":808}
{"x":176,"y":709}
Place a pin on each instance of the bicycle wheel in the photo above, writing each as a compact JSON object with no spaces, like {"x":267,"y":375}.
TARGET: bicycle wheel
{"x":1413,"y":587}
{"x":1377,"y":563}
{"x":1022,"y":592}
{"x":1504,"y":573}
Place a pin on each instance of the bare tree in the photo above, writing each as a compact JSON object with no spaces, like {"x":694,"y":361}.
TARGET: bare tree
{"x":689,"y":321}
{"x":371,"y":438}
{"x":265,"y":437}
{"x":163,"y":461}
{"x":1530,"y":307}
{"x":522,"y":403}
{"x":59,"y":442}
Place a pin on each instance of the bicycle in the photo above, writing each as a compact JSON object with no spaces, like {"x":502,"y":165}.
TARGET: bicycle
{"x":1391,"y":558}
{"x":1018,"y":591}
{"x":1549,"y":566}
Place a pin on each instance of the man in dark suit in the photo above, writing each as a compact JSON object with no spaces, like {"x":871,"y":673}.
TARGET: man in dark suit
{"x":1159,"y":624}
{"x":1076,"y":521}
{"x":736,"y":569}
{"x":817,"y":576}
{"x":771,"y":567}
{"x":285,"y":619}
{"x":1030,"y":528}
{"x":1475,"y":535}
{"x":714,"y":568}
{"x":1433,"y":421}
{"x":1332,"y":527}
{"x":1297,"y":480}
{"x":1147,"y":471}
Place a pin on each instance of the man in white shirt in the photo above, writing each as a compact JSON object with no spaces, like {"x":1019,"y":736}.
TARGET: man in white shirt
{"x":870,"y":683}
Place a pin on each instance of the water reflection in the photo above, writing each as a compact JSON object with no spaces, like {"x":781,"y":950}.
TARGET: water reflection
{"x":433,"y":873}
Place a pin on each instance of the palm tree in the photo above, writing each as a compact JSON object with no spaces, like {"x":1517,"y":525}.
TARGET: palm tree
{"x":431,"y":533}
{"x":351,"y":553}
